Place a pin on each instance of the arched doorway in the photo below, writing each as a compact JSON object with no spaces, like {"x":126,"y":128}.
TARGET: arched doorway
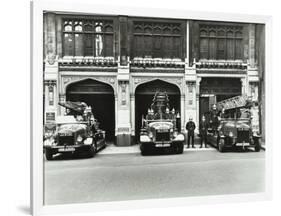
{"x":144,"y":95}
{"x":215,"y":89}
{"x":100,"y":97}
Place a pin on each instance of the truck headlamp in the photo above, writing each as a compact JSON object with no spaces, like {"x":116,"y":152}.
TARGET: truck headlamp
{"x":179,"y":137}
{"x":79,"y":138}
{"x":230,"y":134}
{"x":144,"y":138}
{"x":175,"y":134}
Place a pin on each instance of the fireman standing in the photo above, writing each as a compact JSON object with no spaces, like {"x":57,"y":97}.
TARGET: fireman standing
{"x":203,"y":127}
{"x":190,"y":127}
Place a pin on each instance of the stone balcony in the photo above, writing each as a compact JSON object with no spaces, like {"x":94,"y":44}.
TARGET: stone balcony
{"x":140,"y":62}
{"x":88,"y":61}
{"x":221,"y":64}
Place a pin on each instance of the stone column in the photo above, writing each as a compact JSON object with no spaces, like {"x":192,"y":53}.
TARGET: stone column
{"x":198,"y":80}
{"x":61,"y":110}
{"x":182,"y":112}
{"x":124,"y":117}
{"x":116,"y":113}
{"x":49,"y":34}
{"x":252,"y":28}
{"x":254,"y":91}
{"x":243,"y":86}
{"x":187,"y":44}
{"x":132,"y":100}
{"x":50,"y":95}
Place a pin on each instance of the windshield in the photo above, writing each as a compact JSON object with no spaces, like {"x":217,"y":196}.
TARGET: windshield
{"x":72,"y":126}
{"x":242,"y":113}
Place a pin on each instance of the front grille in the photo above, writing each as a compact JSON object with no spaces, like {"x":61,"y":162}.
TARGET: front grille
{"x":243,"y":136}
{"x":162,"y":136}
{"x":66,"y":140}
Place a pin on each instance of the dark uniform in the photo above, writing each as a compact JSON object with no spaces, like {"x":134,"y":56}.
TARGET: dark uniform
{"x":214,"y":121}
{"x":203,"y":127}
{"x":190,"y":127}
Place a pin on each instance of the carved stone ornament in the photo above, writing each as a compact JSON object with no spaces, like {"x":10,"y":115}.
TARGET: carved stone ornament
{"x":51,"y":58}
{"x":176,"y":81}
{"x":67,"y":80}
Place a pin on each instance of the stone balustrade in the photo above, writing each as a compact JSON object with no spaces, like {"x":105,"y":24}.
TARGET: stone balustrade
{"x":221,"y":64}
{"x":157,"y":62}
{"x":88,"y":61}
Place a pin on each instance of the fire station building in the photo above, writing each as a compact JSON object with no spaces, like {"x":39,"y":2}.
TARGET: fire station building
{"x":116,"y":64}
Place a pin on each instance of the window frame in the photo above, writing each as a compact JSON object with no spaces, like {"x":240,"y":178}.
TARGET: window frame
{"x":225,"y":28}
{"x":155,"y":25}
{"x":106,"y":21}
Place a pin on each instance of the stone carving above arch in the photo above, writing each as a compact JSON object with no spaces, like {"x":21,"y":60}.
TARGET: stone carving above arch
{"x":68,"y":80}
{"x":177,"y":81}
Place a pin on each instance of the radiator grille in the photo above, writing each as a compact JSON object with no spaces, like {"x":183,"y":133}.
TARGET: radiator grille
{"x":66,"y":140}
{"x":243,"y":136}
{"x":162,"y":136}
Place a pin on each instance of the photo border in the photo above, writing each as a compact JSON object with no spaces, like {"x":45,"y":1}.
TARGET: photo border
{"x":87,"y":7}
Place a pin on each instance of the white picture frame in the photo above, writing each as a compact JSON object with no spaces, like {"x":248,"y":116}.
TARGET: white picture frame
{"x":37,"y":174}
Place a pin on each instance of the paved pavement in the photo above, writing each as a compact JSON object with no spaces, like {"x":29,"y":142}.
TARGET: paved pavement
{"x":130,"y":176}
{"x":112,"y":149}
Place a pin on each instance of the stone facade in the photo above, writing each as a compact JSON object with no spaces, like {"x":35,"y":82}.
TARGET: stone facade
{"x":123,"y":72}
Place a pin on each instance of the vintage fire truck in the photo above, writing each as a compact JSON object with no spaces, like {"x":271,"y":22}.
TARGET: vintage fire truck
{"x":237,"y":124}
{"x":77,"y":132}
{"x":161,"y":127}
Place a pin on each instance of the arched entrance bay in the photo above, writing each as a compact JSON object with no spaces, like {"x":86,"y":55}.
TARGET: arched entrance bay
{"x":215,"y":89}
{"x":144,"y":95}
{"x":100,"y":96}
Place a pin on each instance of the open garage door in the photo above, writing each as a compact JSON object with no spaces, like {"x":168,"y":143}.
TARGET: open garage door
{"x":144,"y":95}
{"x":100,"y":97}
{"x":215,"y":89}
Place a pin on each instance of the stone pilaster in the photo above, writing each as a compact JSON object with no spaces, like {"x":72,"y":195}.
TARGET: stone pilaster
{"x":50,"y":100}
{"x":197,"y":101}
{"x":182,"y":104}
{"x":123,"y":134}
{"x":252,"y":33}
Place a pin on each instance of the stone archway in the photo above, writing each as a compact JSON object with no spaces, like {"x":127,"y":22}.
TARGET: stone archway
{"x":100,"y":96}
{"x":143,"y":98}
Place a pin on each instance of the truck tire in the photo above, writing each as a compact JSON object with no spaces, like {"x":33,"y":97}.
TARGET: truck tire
{"x":179,"y":148}
{"x":92,"y":151}
{"x":49,"y":154}
{"x":257,"y":145}
{"x":221,"y":145}
{"x":143,"y":150}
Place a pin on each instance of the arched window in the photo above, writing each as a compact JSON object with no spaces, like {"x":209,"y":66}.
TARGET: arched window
{"x":68,"y":26}
{"x":78,"y":27}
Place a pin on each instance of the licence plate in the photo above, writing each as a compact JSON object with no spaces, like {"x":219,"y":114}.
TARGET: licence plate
{"x":163,"y":145}
{"x":66,"y":150}
{"x":162,"y":130}
{"x":242,"y":144}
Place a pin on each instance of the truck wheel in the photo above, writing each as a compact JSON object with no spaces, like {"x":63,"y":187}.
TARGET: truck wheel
{"x":257,"y":145}
{"x":221,"y":145}
{"x":143,"y":150}
{"x":49,"y":154}
{"x":92,"y":151}
{"x":179,"y":148}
